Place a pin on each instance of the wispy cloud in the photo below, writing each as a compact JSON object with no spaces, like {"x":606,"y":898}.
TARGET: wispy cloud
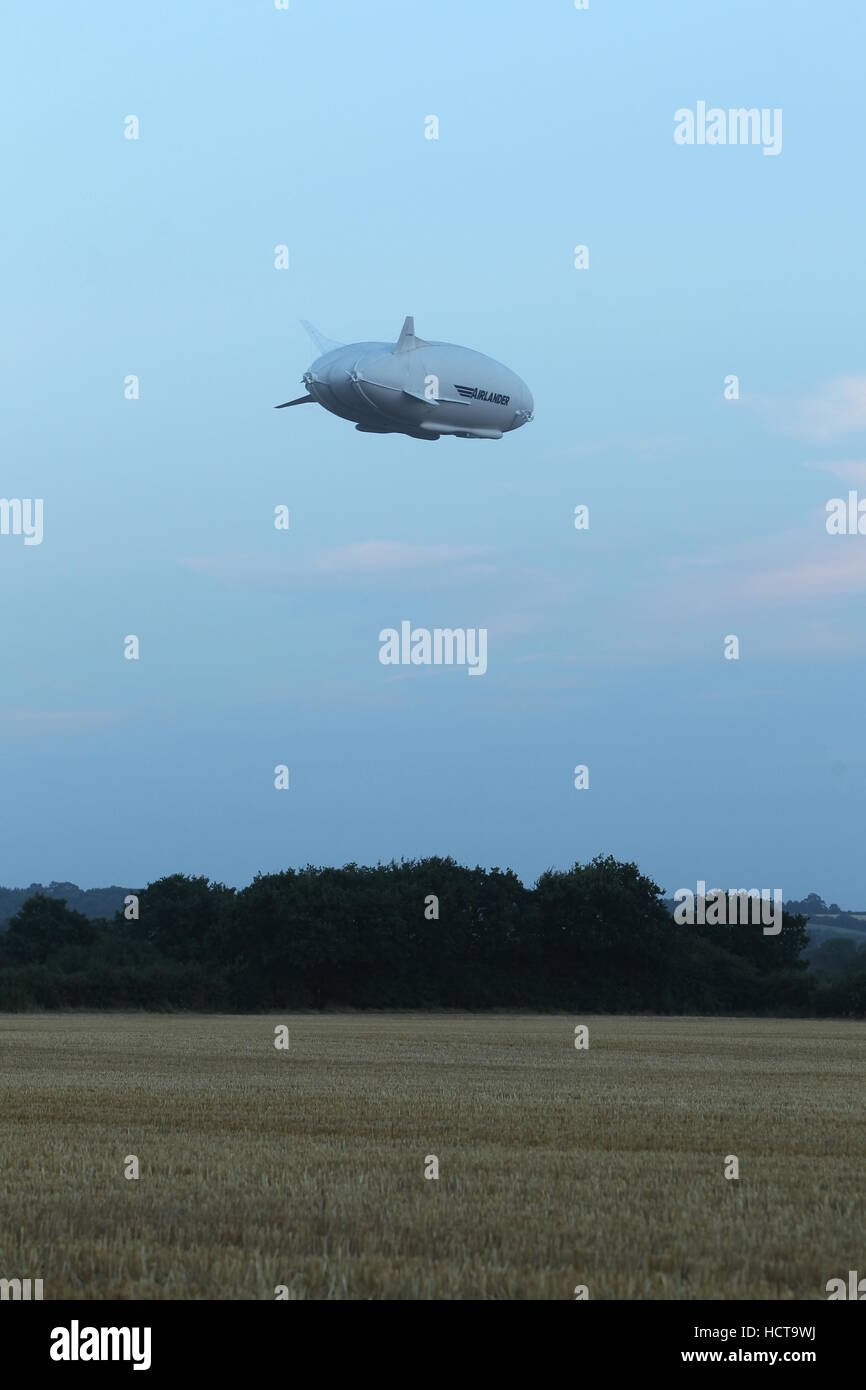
{"x":851,"y":470}
{"x":390,"y":557}
{"x":781,"y":585}
{"x":834,"y":410}
{"x":371,"y":560}
{"x":761,"y":574}
{"x":40,"y":722}
{"x":648,"y":447}
{"x":836,"y":572}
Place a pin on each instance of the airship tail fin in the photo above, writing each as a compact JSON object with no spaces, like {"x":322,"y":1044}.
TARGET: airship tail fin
{"x":407,"y":340}
{"x":322,"y":343}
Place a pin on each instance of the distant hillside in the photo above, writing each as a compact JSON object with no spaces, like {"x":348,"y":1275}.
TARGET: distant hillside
{"x":93,"y":902}
{"x":824,"y":925}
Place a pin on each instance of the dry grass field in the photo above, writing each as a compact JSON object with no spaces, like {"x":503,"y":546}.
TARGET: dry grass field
{"x":305,"y":1168}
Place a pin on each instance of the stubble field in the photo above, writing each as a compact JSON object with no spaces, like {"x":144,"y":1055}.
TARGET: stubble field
{"x":305,"y":1168}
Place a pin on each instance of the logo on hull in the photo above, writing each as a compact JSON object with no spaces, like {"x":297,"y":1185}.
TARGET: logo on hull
{"x":474,"y":393}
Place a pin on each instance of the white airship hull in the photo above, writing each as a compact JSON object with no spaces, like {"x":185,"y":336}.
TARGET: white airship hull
{"x":419,"y":388}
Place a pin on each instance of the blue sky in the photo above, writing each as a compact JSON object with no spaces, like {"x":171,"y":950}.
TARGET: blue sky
{"x":605,"y":647}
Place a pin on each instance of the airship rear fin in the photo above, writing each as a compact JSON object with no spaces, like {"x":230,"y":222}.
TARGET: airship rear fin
{"x":322,"y":343}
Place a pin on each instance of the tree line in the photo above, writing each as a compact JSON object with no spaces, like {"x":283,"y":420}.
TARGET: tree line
{"x":420,"y":934}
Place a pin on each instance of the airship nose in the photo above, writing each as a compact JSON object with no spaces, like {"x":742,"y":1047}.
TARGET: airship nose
{"x":525,"y":406}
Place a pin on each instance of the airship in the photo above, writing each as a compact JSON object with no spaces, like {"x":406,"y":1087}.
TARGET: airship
{"x":414,"y":387}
